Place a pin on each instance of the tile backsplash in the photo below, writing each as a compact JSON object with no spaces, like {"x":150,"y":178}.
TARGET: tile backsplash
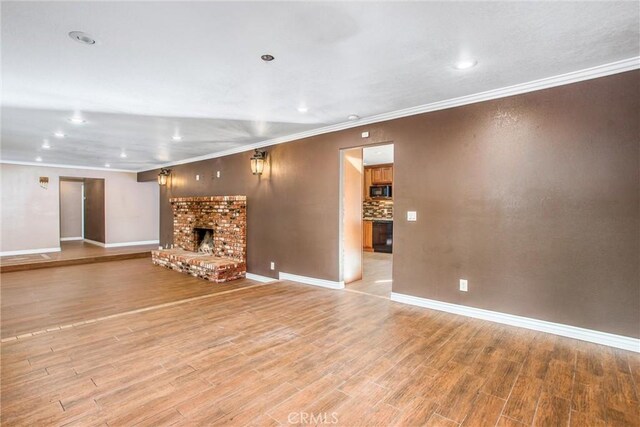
{"x":378,"y":209}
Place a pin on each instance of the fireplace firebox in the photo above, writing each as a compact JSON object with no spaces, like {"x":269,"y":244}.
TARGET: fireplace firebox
{"x":203,"y":240}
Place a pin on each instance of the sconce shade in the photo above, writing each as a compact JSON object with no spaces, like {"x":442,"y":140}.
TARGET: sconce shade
{"x":257,"y":162}
{"x":44,"y":182}
{"x":163,"y":176}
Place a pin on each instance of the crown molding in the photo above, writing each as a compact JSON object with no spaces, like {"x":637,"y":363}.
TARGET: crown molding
{"x":517,"y":89}
{"x":53,"y":165}
{"x":604,"y":70}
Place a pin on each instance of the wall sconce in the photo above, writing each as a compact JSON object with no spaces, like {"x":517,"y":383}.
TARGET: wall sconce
{"x":257,"y":162}
{"x":163,"y":176}
{"x":44,"y":182}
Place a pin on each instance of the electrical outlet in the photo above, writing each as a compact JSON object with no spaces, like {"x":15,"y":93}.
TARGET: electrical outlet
{"x":217,"y":174}
{"x":273,"y":265}
{"x":197,"y":177}
{"x":464,"y":285}
{"x":412,"y":216}
{"x":365,"y":134}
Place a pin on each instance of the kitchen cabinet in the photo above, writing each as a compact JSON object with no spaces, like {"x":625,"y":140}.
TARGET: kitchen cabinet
{"x":387,"y":175}
{"x":367,"y":182}
{"x":367,"y":236}
{"x":377,"y":175}
{"x":381,"y":175}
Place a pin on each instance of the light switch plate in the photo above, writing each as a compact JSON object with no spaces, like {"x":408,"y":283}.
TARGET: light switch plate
{"x":464,"y":285}
{"x":412,"y":216}
{"x":365,"y":134}
{"x":197,"y":177}
{"x":273,"y":265}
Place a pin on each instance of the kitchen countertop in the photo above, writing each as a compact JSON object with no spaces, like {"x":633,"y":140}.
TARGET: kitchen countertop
{"x":378,"y":219}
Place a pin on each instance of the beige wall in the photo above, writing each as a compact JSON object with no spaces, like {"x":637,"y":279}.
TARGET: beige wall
{"x":31,"y":215}
{"x":70,"y":209}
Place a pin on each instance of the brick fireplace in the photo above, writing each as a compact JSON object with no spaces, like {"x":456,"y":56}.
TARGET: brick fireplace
{"x":219,"y":221}
{"x":226,"y":216}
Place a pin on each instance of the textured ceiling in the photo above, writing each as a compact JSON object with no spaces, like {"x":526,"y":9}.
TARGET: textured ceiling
{"x":377,"y":155}
{"x":160,"y":68}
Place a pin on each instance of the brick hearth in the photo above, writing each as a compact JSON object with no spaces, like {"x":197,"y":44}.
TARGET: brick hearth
{"x":226,"y":216}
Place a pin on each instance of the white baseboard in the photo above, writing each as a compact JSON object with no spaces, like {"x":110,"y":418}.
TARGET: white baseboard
{"x":140,"y":243}
{"x":123,"y":244}
{"x":30,"y":251}
{"x":311,"y":281}
{"x":259,"y":278}
{"x":68,"y":239}
{"x":604,"y":338}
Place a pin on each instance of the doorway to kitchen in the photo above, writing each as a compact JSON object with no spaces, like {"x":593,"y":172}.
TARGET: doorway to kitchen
{"x":367,"y":219}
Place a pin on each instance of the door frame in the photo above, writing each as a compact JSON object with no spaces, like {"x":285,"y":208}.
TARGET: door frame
{"x":341,"y":231}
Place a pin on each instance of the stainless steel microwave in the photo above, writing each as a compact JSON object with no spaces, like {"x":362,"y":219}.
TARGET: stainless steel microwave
{"x":380,"y":191}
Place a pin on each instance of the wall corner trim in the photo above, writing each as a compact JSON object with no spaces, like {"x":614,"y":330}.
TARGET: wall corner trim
{"x":29,"y":251}
{"x":69,"y":239}
{"x":259,"y":278}
{"x":311,"y":281}
{"x":597,"y":337}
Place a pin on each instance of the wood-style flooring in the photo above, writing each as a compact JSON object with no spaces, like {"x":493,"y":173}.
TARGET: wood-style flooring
{"x":288,"y":354}
{"x":73,"y":253}
{"x":48,"y":298}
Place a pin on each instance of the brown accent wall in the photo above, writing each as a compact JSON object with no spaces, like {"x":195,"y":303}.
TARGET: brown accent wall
{"x":535,"y":199}
{"x":94,"y":217}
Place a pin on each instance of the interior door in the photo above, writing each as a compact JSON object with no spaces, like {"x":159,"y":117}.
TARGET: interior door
{"x":94,"y":213}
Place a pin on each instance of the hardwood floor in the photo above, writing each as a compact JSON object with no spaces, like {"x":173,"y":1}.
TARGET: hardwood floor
{"x":40,"y":299}
{"x":286,"y":353}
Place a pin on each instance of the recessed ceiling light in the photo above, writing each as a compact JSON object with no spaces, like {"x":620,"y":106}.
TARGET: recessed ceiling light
{"x":77,"y":120}
{"x":353,"y":117}
{"x":107,"y":165}
{"x":45,"y":144}
{"x":303,"y":109}
{"x":176,"y":138}
{"x":59,"y":135}
{"x":81,"y":37}
{"x":465,"y":64}
{"x":38,"y":159}
{"x":123,"y":155}
{"x":267,"y":57}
